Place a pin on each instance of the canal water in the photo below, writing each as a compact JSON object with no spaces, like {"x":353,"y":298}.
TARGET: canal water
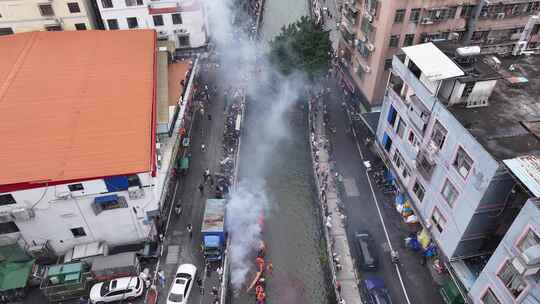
{"x":292,"y":221}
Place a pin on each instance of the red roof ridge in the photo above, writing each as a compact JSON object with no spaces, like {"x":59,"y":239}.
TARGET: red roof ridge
{"x":18,"y":63}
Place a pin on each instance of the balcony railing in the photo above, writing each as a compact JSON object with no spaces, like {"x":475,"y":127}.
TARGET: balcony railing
{"x":414,"y":83}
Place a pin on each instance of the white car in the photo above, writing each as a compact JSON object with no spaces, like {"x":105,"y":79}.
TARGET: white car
{"x":117,"y":289}
{"x":182,"y":283}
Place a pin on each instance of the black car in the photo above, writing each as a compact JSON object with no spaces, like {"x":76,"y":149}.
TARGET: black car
{"x":375,"y":292}
{"x":366,"y":255}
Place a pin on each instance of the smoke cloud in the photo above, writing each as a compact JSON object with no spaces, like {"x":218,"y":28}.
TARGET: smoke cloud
{"x":244,"y":64}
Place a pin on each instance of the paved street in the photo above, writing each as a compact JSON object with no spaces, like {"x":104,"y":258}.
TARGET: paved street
{"x":362,"y":214}
{"x":179,"y":248}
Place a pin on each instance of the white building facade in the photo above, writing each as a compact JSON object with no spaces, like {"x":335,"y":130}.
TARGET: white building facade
{"x":183,"y":22}
{"x":33,"y":15}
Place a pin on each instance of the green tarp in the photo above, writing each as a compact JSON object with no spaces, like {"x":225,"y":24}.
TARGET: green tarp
{"x":450,"y":293}
{"x":14,"y":275}
{"x":184,"y":163}
{"x":15,"y":267}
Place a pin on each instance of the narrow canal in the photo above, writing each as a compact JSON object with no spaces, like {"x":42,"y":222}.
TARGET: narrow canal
{"x":292,"y":227}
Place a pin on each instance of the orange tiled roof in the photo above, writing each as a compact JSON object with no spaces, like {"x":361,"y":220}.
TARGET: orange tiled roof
{"x":76,"y":104}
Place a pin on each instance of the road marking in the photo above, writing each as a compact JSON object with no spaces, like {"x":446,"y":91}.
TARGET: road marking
{"x":173,"y":252}
{"x":350,"y":187}
{"x":379,"y":213}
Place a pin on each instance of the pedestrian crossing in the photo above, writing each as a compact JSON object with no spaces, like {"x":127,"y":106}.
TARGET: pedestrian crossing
{"x":173,"y":252}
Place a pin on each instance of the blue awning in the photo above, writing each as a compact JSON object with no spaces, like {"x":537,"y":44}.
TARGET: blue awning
{"x":116,"y":183}
{"x":106,"y":199}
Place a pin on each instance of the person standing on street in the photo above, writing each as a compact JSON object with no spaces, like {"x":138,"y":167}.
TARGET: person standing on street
{"x":201,"y":188}
{"x":200,"y":285}
{"x":190,"y":230}
{"x":161,"y":278}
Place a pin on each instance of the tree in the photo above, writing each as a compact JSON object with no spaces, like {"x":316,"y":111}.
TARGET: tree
{"x":303,"y":46}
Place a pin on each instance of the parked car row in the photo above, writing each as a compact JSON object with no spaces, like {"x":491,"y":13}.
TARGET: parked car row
{"x":373,"y":289}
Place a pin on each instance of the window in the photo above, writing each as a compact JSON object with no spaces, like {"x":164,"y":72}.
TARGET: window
{"x":451,"y":12}
{"x":401,"y":126}
{"x":530,"y":239}
{"x":415,"y":15}
{"x":387,"y":142}
{"x":78,"y":232}
{"x":8,"y":227}
{"x":438,"y":220}
{"x":438,"y":135}
{"x":75,"y":187}
{"x":412,"y":139}
{"x":106,"y":3}
{"x":108,"y":202}
{"x":511,"y":279}
{"x":387,"y":64}
{"x":392,"y":115}
{"x":6,"y":31}
{"x":449,"y":192}
{"x":176,"y":18}
{"x":409,"y":40}
{"x":134,"y":2}
{"x":7,"y":199}
{"x":406,"y":173}
{"x":158,"y":20}
{"x":398,"y":17}
{"x":74,"y":7}
{"x":394,"y":41}
{"x":46,"y":10}
{"x":398,"y":159}
{"x":466,"y":11}
{"x":490,"y":298}
{"x":53,"y":28}
{"x":418,"y":190}
{"x":113,"y":24}
{"x":467,"y":90}
{"x":463,"y":163}
{"x":132,"y":22}
{"x":133,"y":181}
{"x":80,"y":26}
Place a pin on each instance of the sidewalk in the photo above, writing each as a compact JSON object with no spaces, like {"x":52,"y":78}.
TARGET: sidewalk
{"x":341,"y":263}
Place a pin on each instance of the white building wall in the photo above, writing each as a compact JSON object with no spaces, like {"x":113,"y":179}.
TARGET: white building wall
{"x":528,"y":218}
{"x":56,"y":210}
{"x":471,"y":189}
{"x":193,"y":20}
{"x":25,"y":15}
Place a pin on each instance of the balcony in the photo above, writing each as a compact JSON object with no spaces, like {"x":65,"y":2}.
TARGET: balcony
{"x":420,"y":90}
{"x":347,"y":33}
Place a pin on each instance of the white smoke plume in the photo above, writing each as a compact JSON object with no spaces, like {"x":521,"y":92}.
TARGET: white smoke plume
{"x":239,"y":56}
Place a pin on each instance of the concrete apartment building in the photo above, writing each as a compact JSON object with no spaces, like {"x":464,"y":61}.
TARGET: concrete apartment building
{"x":182,"y":22}
{"x":82,"y":158}
{"x":34,"y":15}
{"x":451,"y":121}
{"x":373,"y":31}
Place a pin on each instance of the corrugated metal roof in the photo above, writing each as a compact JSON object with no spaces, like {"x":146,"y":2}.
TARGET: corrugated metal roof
{"x":527,"y":170}
{"x":75,"y":104}
{"x":214,"y":215}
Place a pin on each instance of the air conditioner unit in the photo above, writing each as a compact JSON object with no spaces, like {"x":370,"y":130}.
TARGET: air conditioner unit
{"x":162,"y":33}
{"x":426,"y":21}
{"x":135,"y":193}
{"x":5,"y":217}
{"x":523,"y":269}
{"x":370,"y":47}
{"x":500,"y":16}
{"x":531,"y":256}
{"x":22,"y":214}
{"x":453,"y":36}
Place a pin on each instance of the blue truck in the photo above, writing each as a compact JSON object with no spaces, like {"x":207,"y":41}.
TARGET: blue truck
{"x":213,"y":230}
